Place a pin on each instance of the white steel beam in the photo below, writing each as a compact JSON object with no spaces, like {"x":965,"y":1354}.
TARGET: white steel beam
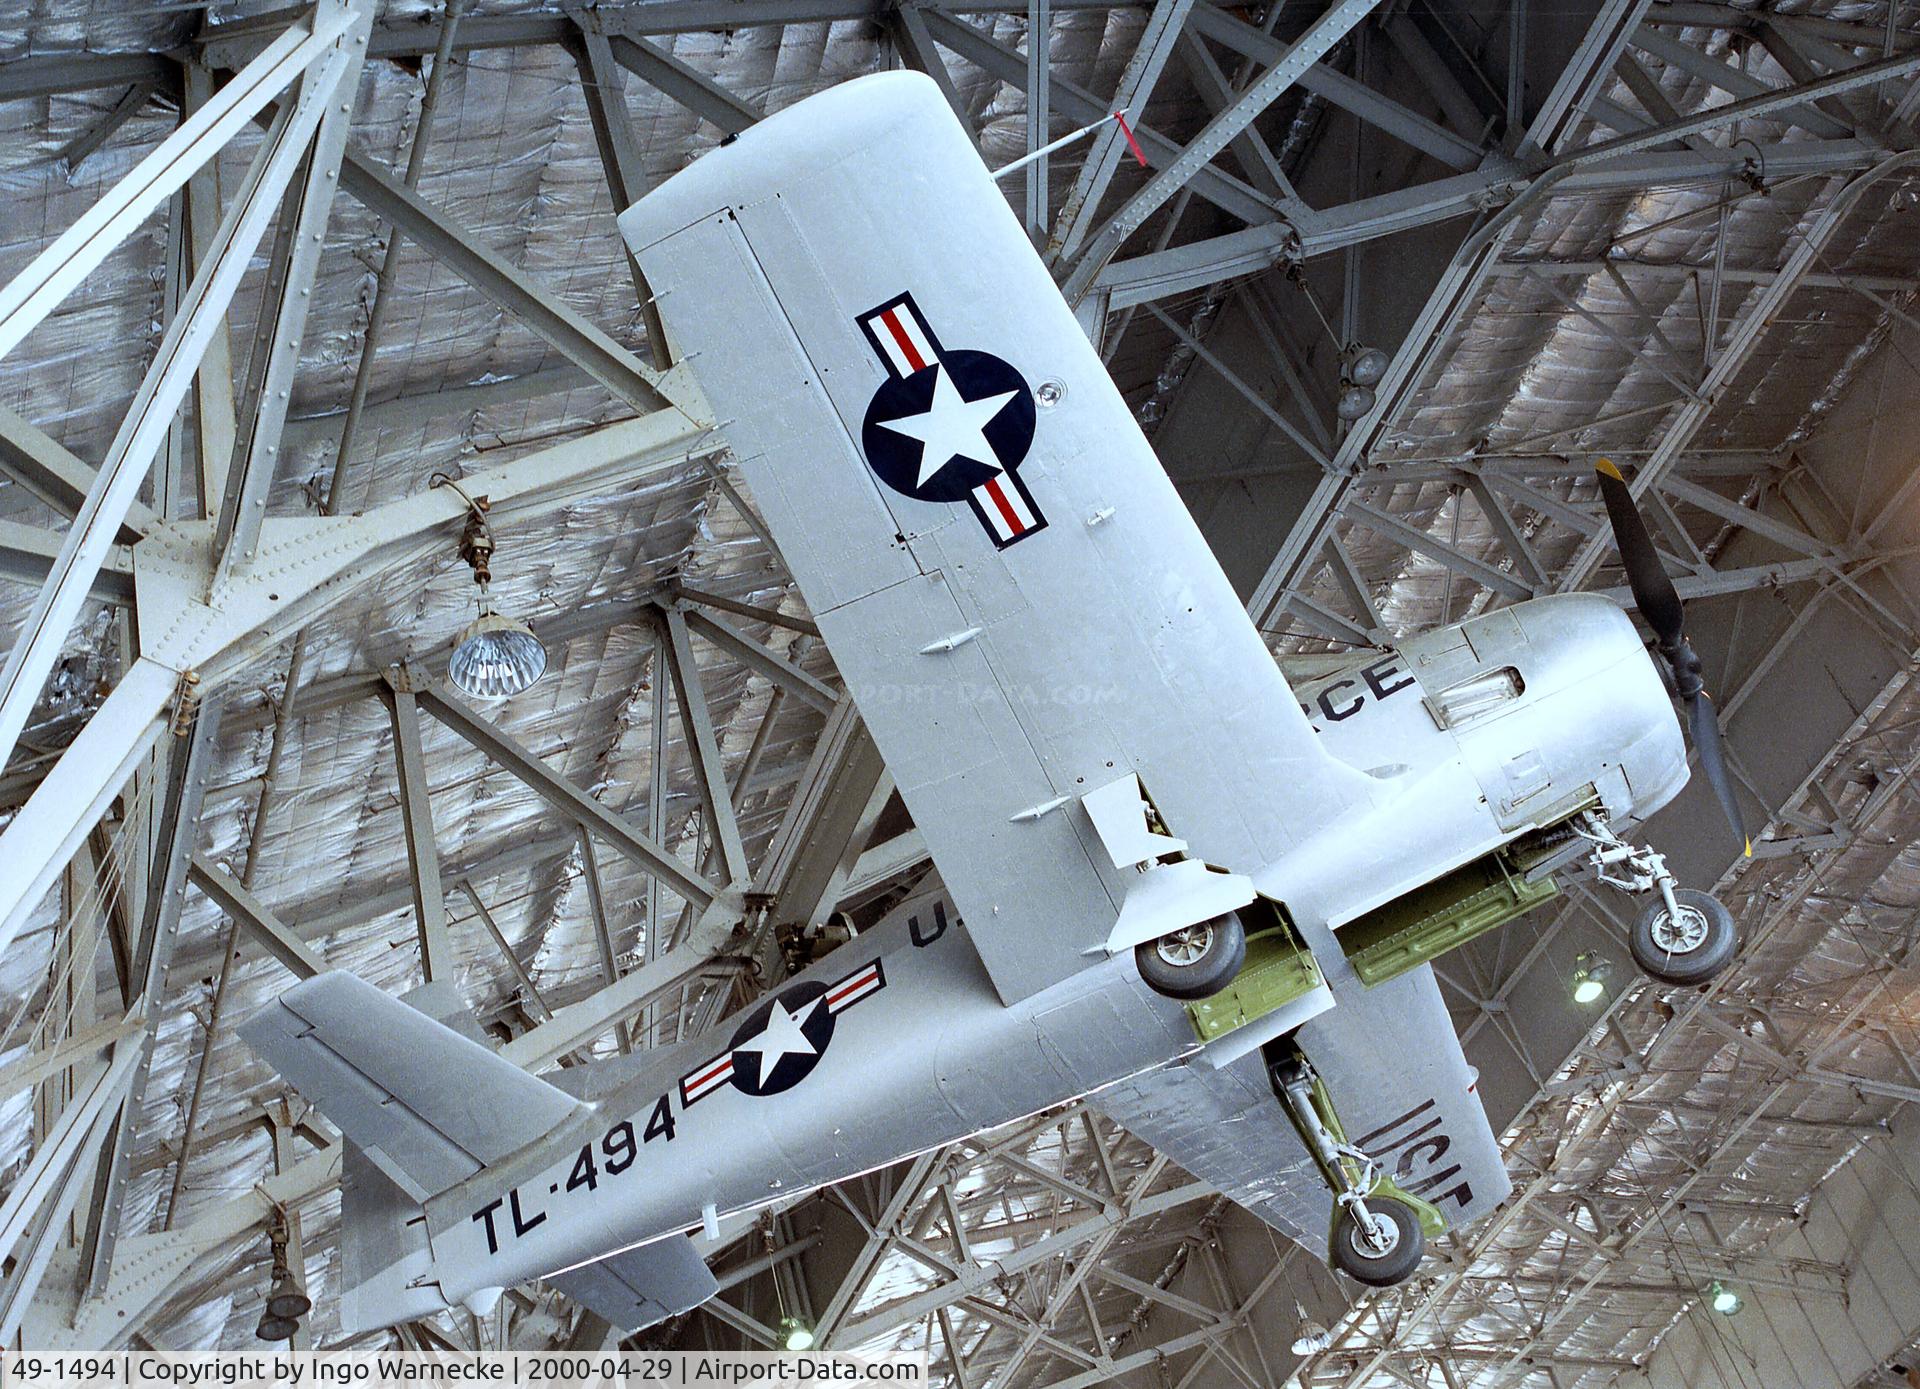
{"x":43,"y":835}
{"x":1289,"y":67}
{"x":696,"y":720}
{"x":1454,"y":150}
{"x":316,"y":565}
{"x":28,"y":554}
{"x":603,"y":84}
{"x":196,"y":221}
{"x":682,"y":82}
{"x":1449,"y":300}
{"x":55,"y":476}
{"x":41,"y":1180}
{"x":437,"y":958}
{"x":283,"y":321}
{"x":53,"y":274}
{"x":227,"y":893}
{"x":622,"y":373}
{"x":917,"y":50}
{"x":159,"y":396}
{"x":1756,"y":317}
{"x":1083,"y":107}
{"x":44,"y":1195}
{"x":778,"y":669}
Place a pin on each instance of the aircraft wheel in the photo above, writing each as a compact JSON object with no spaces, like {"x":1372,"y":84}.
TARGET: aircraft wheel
{"x":1686,"y":949}
{"x":1390,"y":1254}
{"x":1196,"y":961}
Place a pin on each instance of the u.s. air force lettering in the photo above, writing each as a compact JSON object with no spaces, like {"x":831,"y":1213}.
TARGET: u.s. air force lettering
{"x":949,"y":425}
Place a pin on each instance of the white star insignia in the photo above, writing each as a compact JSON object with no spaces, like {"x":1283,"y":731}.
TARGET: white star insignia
{"x":781,"y":1037}
{"x":951,"y":427}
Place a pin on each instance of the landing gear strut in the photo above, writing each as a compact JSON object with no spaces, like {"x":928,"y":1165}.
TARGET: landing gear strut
{"x":1684,"y":936}
{"x":1377,"y":1238}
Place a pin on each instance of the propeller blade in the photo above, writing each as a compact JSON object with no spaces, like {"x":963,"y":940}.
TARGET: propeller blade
{"x":1653,"y":592}
{"x":1705,"y":727}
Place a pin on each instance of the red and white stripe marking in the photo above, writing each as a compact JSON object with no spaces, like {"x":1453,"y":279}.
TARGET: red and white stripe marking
{"x":706,"y":1081}
{"x":904,"y":338}
{"x":1006,"y":512}
{"x":854,"y":987}
{"x":845,"y":994}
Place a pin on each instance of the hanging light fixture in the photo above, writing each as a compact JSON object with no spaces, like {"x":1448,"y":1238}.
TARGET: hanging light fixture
{"x":1311,"y":1336}
{"x":795,"y":1334}
{"x":286,"y":1301}
{"x":1723,"y":1299}
{"x":1589,"y":977}
{"x":496,"y":655}
{"x":272,"y":1328}
{"x":1366,"y":366}
{"x":1354,"y":403}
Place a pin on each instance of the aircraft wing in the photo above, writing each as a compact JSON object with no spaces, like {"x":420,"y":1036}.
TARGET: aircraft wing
{"x":1019,"y":602}
{"x":1405,"y":1093}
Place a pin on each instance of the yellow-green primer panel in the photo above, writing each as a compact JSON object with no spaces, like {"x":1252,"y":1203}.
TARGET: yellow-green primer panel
{"x":1278,"y":970}
{"x":1431,"y":920}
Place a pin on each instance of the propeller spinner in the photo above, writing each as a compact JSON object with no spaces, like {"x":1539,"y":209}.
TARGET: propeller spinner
{"x":1659,"y":602}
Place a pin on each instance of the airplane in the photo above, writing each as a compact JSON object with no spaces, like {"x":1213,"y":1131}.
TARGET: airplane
{"x":1168,"y":882}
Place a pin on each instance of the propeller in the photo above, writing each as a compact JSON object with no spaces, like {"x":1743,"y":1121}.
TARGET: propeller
{"x":1659,"y":603}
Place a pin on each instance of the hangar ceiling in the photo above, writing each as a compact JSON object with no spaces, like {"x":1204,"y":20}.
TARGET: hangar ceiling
{"x":1678,"y":234}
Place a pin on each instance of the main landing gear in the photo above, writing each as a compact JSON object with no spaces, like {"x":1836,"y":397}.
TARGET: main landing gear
{"x":1684,"y":936}
{"x":1379,"y":1232}
{"x":1196,"y":961}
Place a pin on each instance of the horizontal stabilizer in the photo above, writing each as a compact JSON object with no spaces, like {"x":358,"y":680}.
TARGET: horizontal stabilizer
{"x":642,"y":1286}
{"x":429,"y":1106}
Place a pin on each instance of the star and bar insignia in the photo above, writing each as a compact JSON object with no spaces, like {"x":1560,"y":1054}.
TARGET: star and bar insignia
{"x":949,"y":425}
{"x":778,"y":1044}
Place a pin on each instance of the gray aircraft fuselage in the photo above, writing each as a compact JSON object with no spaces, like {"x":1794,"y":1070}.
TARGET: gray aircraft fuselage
{"x":928,"y":1056}
{"x":847,"y":1068}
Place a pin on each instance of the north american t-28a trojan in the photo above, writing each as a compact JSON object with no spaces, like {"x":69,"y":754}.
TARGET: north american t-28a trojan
{"x":1168,"y":881}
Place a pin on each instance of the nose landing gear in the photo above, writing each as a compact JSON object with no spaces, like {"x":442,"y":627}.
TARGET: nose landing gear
{"x":1379,"y":1232}
{"x":1684,"y":936}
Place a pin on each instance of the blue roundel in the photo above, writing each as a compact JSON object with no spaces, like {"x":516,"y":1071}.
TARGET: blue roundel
{"x":897,"y":457}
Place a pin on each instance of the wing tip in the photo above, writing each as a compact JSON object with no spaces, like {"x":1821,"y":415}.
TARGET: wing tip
{"x":1606,"y":467}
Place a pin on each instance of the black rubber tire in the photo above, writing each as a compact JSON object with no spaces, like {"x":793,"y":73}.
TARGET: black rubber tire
{"x":1699,"y":964}
{"x":1397,"y":1263}
{"x":1225,"y":951}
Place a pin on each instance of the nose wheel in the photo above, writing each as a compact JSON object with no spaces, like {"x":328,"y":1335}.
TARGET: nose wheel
{"x":1684,"y":936}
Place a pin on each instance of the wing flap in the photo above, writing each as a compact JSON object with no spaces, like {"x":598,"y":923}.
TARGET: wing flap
{"x":642,"y":1286}
{"x":975,"y":786}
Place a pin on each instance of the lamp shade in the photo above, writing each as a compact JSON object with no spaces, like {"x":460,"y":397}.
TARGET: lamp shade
{"x":495,"y":657}
{"x":1368,"y":367}
{"x":285,"y":1299}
